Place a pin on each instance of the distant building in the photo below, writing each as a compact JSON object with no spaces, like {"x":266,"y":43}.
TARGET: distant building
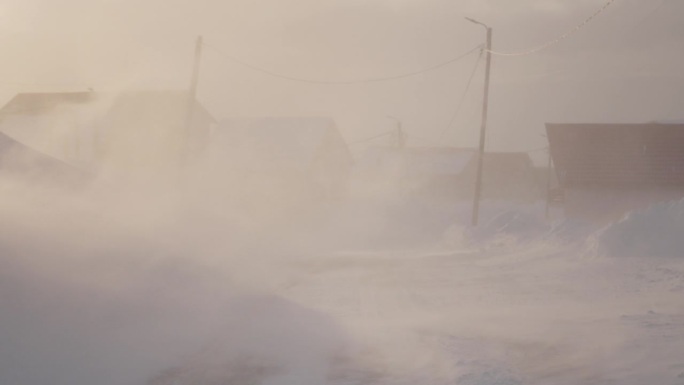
{"x":431,"y":173}
{"x":443,"y":174}
{"x":305,"y":153}
{"x":141,"y":131}
{"x":59,"y":124}
{"x":152,"y":130}
{"x":607,"y":170}
{"x":507,"y":176}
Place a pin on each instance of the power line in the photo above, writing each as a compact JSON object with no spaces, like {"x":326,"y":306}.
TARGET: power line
{"x":558,"y":39}
{"x":463,"y":96}
{"x":343,"y":82}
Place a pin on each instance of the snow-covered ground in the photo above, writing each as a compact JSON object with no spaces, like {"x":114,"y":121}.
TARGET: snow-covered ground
{"x":364,"y":294}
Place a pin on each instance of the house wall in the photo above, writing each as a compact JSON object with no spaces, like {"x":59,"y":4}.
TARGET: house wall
{"x":65,"y":134}
{"x":149,"y":139}
{"x":611,"y":204}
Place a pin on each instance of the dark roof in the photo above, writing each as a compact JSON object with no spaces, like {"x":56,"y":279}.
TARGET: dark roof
{"x":615,"y":155}
{"x":41,"y":103}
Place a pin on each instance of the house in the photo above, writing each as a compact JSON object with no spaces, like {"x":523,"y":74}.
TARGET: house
{"x":448,"y":173}
{"x":507,"y":176}
{"x":148,"y":131}
{"x":58,"y":124}
{"x":418,"y":172}
{"x":607,"y":170}
{"x":303,"y":153}
{"x":133,"y":131}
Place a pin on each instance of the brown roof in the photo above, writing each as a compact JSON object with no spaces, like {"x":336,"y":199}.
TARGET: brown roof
{"x":40,"y":103}
{"x":615,"y":155}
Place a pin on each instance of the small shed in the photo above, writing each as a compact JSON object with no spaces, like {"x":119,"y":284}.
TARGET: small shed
{"x":307,"y":152}
{"x":607,"y":170}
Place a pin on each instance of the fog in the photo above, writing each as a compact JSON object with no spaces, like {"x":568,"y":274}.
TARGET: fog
{"x":109,"y":45}
{"x":255,"y":237}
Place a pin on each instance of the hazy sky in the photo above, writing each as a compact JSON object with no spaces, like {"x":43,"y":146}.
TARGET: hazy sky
{"x":626,"y":66}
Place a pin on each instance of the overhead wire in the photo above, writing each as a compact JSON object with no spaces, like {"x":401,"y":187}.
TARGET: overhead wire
{"x":457,"y":111}
{"x":344,"y":82}
{"x":560,"y":38}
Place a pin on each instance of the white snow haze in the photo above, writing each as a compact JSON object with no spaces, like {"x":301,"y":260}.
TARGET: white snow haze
{"x":278,"y":252}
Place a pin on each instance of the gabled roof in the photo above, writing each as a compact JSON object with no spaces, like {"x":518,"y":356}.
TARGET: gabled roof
{"x":40,"y":103}
{"x":290,"y":142}
{"x":635,"y":155}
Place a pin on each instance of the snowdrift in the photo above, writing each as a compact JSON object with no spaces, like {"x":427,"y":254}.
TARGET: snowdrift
{"x":653,"y":232}
{"x":518,"y":226}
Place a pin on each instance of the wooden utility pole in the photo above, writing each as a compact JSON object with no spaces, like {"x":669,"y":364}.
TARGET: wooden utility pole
{"x":196,"y":67}
{"x":547,"y":213}
{"x":192,"y":97}
{"x":483,"y":128}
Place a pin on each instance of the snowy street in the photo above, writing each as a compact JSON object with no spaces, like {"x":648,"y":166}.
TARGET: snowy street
{"x":329,"y":302}
{"x":369,"y":192}
{"x":538,"y":314}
